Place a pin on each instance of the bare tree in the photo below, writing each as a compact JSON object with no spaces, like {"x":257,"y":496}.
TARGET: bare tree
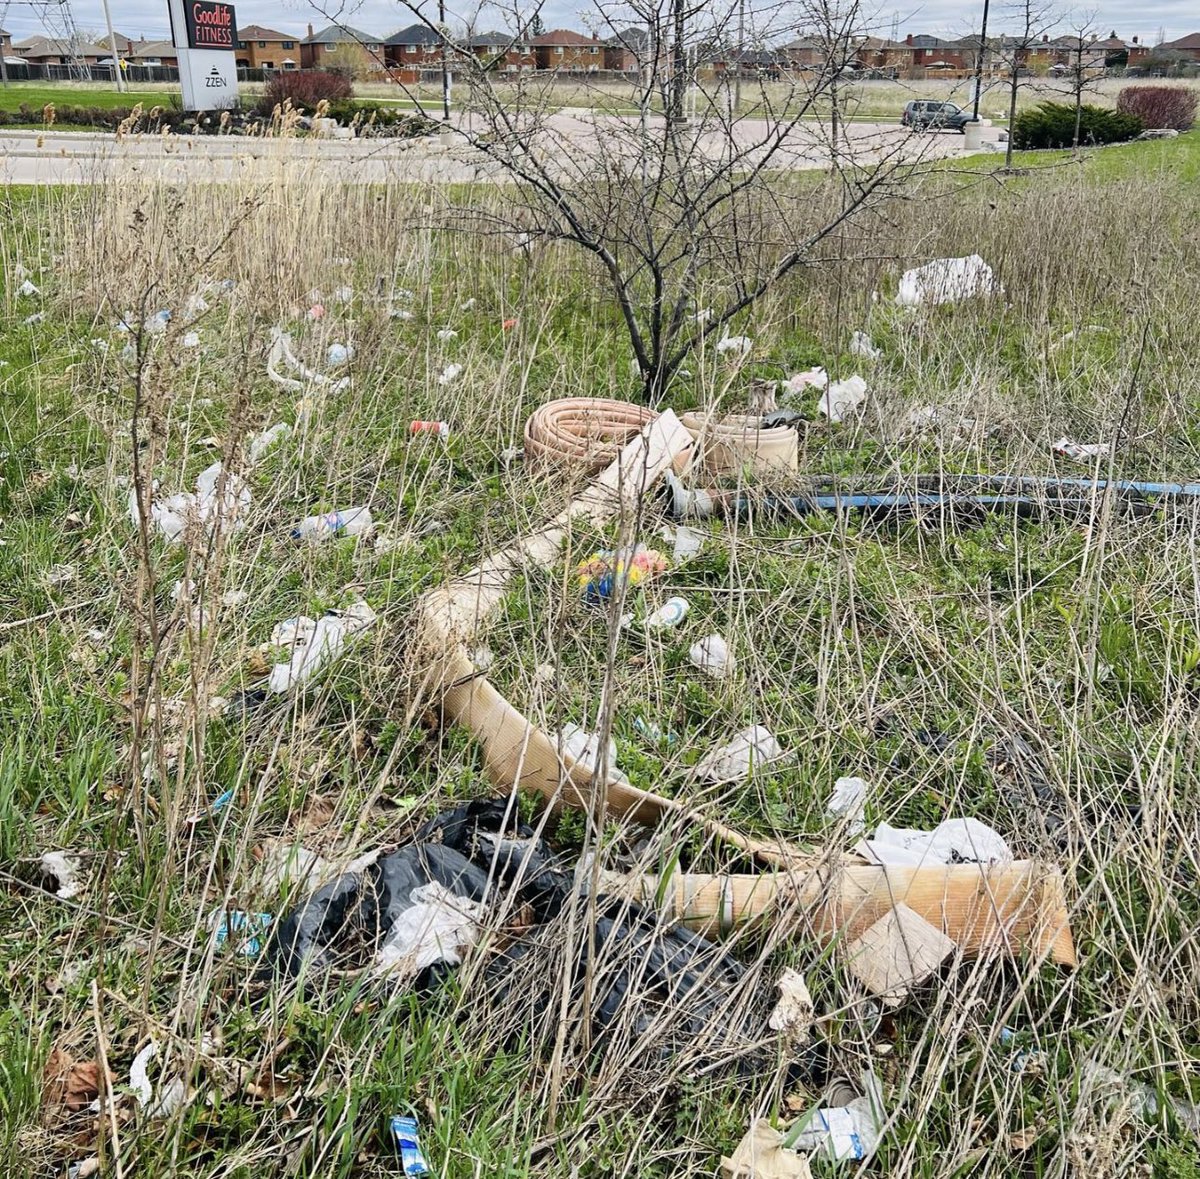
{"x":1033,"y":20}
{"x":1085,"y":63}
{"x":690,"y":209}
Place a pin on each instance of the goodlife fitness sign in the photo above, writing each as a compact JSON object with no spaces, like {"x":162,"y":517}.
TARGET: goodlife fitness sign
{"x":205,"y":36}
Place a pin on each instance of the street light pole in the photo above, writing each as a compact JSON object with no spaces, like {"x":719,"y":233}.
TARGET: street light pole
{"x":979,"y":63}
{"x":112,"y":44}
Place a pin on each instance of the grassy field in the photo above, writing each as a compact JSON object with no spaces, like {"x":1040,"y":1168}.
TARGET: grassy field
{"x":916,"y":655}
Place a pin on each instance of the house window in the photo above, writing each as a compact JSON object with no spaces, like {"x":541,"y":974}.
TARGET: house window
{"x":410,"y":49}
{"x":510,"y":69}
{"x":262,"y":45}
{"x":288,"y":44}
{"x":593,"y":49}
{"x":329,"y":46}
{"x":928,"y":52}
{"x":241,"y":44}
{"x":268,"y":65}
{"x":558,"y":50}
{"x":522,"y":48}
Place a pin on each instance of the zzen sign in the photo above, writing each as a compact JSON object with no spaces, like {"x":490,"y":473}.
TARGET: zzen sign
{"x":204,"y":33}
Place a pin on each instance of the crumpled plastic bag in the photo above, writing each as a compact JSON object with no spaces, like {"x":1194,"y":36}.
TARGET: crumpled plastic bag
{"x":947,"y":280}
{"x":842,"y":398}
{"x":954,"y":841}
{"x":205,"y":507}
{"x":314,"y":643}
{"x":747,"y":753}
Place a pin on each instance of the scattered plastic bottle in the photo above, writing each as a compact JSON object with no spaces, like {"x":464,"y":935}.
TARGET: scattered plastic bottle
{"x":672,"y":612}
{"x":349,"y":522}
{"x":441,"y":429}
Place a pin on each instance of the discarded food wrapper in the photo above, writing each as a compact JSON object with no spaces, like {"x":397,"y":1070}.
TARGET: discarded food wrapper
{"x":815,"y":378}
{"x":246,"y":929}
{"x":862,"y":345}
{"x":712,"y":655}
{"x":408,"y":1143}
{"x":747,"y":753}
{"x":672,"y":612}
{"x":441,"y":429}
{"x":947,"y":280}
{"x":603,"y":571}
{"x":953,"y":841}
{"x":322,"y":644}
{"x":63,"y":871}
{"x":845,"y":1132}
{"x":348,"y":522}
{"x":842,"y":398}
{"x":1080,"y":452}
{"x":848,"y":801}
{"x":761,"y":1155}
{"x":735,"y":345}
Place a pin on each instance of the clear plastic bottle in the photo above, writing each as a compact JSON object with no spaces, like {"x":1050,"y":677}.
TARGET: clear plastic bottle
{"x":348,"y":522}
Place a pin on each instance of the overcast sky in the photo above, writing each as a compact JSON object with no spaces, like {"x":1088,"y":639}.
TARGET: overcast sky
{"x":148,"y":18}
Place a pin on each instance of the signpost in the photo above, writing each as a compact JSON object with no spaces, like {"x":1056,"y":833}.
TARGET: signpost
{"x":204,"y":33}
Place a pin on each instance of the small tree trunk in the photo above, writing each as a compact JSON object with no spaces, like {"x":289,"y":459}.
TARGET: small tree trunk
{"x":679,"y":66}
{"x":1014,"y":85}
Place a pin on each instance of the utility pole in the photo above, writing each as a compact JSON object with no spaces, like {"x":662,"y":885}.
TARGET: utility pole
{"x":445,"y":61}
{"x":982,"y":53}
{"x":112,"y":44}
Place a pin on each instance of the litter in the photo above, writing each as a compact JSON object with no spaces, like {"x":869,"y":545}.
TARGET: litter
{"x":446,"y":334}
{"x":483,"y":658}
{"x":215,"y":807}
{"x":1097,"y":1076}
{"x":157,"y":323}
{"x":343,"y":294}
{"x":316,"y":311}
{"x":62,"y":871}
{"x":36,"y":317}
{"x":450,"y":374}
{"x":204,"y":507}
{"x":434,"y":927}
{"x":247,"y":929}
{"x":314,"y":644}
{"x":672,"y":612}
{"x":468,"y":305}
{"x":848,"y":801}
{"x":583,"y":748}
{"x":792,"y":1015}
{"x":281,"y":353}
{"x":653,"y":732}
{"x":339,"y":354}
{"x":1080,"y":452}
{"x":727,"y":445}
{"x":408,"y":1143}
{"x":27,"y":289}
{"x":900,"y":951}
{"x":349,"y":522}
{"x":508,"y":325}
{"x":813,"y":378}
{"x":953,"y":841}
{"x":171,"y":1096}
{"x":760,"y":1155}
{"x":947,"y":280}
{"x":843,"y":398}
{"x":584,"y":433}
{"x":712,"y":655}
{"x":257,"y":445}
{"x":191,"y":339}
{"x":748,"y":752}
{"x":846,"y":1132}
{"x":688,"y":542}
{"x":441,"y":429}
{"x":740,"y":345}
{"x":863,"y":346}
{"x":608,"y":569}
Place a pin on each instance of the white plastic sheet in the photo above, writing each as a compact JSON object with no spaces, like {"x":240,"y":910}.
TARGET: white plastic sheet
{"x":953,"y":841}
{"x":947,"y":280}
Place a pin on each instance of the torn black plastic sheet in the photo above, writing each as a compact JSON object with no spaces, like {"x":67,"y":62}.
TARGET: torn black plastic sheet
{"x":419,"y":909}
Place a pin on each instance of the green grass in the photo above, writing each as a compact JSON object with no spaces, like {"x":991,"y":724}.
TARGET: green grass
{"x":856,"y":640}
{"x":72,"y":94}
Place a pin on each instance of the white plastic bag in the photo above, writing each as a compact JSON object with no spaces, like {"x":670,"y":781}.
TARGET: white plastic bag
{"x":947,"y":280}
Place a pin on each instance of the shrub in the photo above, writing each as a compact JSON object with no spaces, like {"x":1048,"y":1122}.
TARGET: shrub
{"x":306,"y":88}
{"x":1160,"y":106}
{"x":1052,"y":124}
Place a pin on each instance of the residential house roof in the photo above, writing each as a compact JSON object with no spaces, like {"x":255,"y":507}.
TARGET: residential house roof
{"x":418,"y":34}
{"x":153,"y":49}
{"x":563,"y":37}
{"x":1191,"y":41}
{"x":52,"y":47}
{"x":259,"y":33}
{"x":491,"y":41}
{"x":633,"y":38}
{"x":333,"y":34}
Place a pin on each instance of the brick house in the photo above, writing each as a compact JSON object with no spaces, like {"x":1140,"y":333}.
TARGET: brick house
{"x":341,"y":47}
{"x":938,"y":53}
{"x":153,"y":53}
{"x":1189,"y":45}
{"x":49,"y":51}
{"x":259,"y":48}
{"x":6,"y":46}
{"x":804,"y":53}
{"x":879,"y":53}
{"x":568,"y":52}
{"x":627,"y":52}
{"x":502,"y":52}
{"x":410,"y":50}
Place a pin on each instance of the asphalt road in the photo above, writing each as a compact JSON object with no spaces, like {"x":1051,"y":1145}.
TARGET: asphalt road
{"x":30,"y":157}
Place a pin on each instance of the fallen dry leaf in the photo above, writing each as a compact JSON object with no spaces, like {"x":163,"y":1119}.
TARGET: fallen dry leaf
{"x":1023,"y":1139}
{"x":71,"y":1083}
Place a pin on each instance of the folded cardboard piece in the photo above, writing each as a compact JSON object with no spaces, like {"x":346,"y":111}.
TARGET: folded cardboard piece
{"x":1016,"y":906}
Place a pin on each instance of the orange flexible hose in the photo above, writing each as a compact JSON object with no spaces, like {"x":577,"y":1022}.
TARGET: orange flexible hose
{"x":585,"y":433}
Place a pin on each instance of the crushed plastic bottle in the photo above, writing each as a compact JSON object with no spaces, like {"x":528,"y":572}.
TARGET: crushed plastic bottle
{"x":348,"y":522}
{"x":672,"y":612}
{"x":314,"y":643}
{"x":408,"y":1143}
